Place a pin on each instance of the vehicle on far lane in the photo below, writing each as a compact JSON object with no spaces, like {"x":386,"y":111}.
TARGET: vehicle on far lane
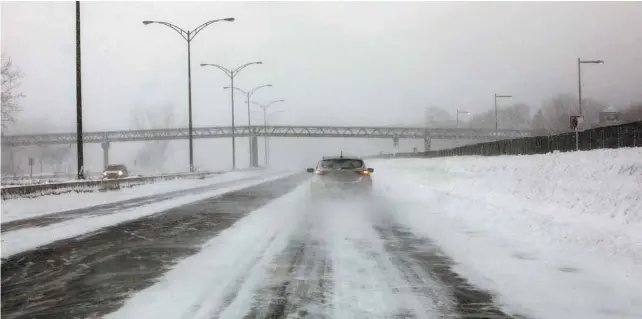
{"x":115,"y":171}
{"x":340,"y":176}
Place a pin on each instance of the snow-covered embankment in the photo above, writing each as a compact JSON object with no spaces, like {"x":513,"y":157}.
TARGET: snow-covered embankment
{"x":554,"y":236}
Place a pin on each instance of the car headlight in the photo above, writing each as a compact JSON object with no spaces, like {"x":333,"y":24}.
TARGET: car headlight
{"x":104,"y":173}
{"x":120,"y":173}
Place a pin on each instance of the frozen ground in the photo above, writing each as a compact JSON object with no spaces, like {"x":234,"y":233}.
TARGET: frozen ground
{"x":21,"y":208}
{"x":554,"y":236}
{"x":538,"y":237}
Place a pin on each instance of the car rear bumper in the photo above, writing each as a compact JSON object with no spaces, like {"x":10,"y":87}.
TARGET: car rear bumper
{"x":341,"y":189}
{"x":112,"y":176}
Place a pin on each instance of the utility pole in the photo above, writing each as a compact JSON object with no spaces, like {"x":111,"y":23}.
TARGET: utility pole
{"x":79,"y":141}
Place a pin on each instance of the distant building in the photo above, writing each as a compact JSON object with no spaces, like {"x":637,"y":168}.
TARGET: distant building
{"x":610,"y":116}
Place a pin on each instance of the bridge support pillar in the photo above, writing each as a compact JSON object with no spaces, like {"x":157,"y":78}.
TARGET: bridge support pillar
{"x":254,"y":154}
{"x":427,"y":141}
{"x":105,"y":146}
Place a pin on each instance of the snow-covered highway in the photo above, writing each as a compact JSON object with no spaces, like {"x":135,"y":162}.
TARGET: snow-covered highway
{"x":545,"y":236}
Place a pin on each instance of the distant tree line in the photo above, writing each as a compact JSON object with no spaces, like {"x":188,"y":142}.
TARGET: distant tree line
{"x":552,"y":117}
{"x":56,"y":158}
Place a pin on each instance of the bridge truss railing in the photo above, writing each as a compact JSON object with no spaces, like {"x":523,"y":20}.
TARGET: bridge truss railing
{"x":272,"y":131}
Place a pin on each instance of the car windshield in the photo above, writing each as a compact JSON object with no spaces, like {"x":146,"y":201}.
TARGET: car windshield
{"x":474,"y":159}
{"x":341,"y":163}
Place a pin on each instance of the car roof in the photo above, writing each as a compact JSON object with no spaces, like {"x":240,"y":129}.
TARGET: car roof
{"x":341,"y":157}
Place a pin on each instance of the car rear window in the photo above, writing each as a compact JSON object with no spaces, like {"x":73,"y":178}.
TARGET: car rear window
{"x":341,"y":163}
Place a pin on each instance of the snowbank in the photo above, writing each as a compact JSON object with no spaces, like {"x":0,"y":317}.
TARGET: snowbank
{"x":24,"y":239}
{"x":21,"y":208}
{"x":553,"y":236}
{"x":606,"y":183}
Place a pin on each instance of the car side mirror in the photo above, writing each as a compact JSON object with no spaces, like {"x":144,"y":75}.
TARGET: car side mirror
{"x":371,"y":170}
{"x":310,"y":170}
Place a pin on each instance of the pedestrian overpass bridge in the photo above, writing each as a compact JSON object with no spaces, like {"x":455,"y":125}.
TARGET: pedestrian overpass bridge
{"x":379,"y":132}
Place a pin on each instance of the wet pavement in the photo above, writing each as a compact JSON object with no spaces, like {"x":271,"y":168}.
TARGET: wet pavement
{"x":92,"y":275}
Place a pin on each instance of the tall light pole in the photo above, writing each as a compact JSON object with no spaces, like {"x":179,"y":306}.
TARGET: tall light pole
{"x":579,"y":80}
{"x":248,"y":96}
{"x":232,"y":74}
{"x":579,"y":96}
{"x":189,"y":36}
{"x":265,"y":107}
{"x":79,"y":140}
{"x":498,"y":97}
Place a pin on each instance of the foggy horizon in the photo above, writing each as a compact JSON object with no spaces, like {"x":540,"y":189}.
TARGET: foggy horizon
{"x":360,"y":64}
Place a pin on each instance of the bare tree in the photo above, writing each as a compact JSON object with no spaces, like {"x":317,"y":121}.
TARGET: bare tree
{"x":556,"y":113}
{"x":55,"y":156}
{"x":539,"y":122}
{"x":436,"y":117}
{"x":10,"y":82}
{"x":514,"y":117}
{"x":153,"y":155}
{"x":633,"y":113}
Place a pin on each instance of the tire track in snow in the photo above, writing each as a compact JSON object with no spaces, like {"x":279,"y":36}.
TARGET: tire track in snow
{"x":366,"y":281}
{"x":94,"y":273}
{"x":301,"y":280}
{"x":418,"y":259}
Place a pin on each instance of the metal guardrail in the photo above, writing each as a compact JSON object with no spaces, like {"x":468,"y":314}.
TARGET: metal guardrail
{"x":36,"y":190}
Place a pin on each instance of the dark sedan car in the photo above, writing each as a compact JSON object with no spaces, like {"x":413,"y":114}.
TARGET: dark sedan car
{"x":340,"y":176}
{"x":115,"y":171}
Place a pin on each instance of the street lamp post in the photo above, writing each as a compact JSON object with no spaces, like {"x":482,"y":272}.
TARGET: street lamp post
{"x":248,"y":96}
{"x":189,"y":36}
{"x":265,"y":107}
{"x":232,"y":74}
{"x":496,"y":97}
{"x":579,"y":95}
{"x":579,"y":80}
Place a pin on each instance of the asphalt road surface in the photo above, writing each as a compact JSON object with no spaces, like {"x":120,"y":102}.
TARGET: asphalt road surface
{"x":92,"y":275}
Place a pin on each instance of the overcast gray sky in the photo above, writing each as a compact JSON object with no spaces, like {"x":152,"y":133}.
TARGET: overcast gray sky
{"x":352,"y":63}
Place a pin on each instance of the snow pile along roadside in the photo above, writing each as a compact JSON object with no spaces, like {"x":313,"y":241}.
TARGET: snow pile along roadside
{"x":24,"y":239}
{"x":554,"y":235}
{"x":604,"y":183}
{"x":21,"y":208}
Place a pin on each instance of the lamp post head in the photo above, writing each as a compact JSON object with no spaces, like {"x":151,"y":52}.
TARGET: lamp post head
{"x":599,"y":62}
{"x":229,"y":19}
{"x":146,"y":22}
